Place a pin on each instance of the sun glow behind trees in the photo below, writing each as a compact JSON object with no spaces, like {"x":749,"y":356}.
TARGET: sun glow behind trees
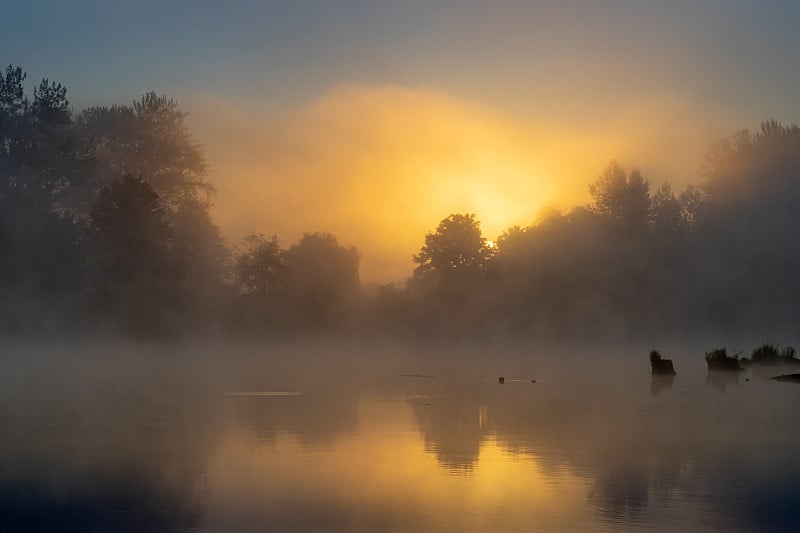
{"x":150,"y":244}
{"x":380,"y":166}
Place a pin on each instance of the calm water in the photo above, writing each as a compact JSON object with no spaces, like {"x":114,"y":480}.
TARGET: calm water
{"x":147,"y":438}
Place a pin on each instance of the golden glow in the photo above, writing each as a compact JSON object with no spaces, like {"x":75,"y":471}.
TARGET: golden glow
{"x":385,"y":467}
{"x":380,"y":166}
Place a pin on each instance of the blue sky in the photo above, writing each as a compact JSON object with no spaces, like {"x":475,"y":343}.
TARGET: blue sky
{"x":740,"y":53}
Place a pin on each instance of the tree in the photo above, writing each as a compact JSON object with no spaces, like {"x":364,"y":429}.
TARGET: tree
{"x":752,"y":190}
{"x":40,"y":163}
{"x":13,"y":111}
{"x":202,"y":263}
{"x":130,"y":224}
{"x":197,"y":243}
{"x":40,"y":156}
{"x":13,"y":104}
{"x":133,"y":269}
{"x":260,"y":268}
{"x":511,"y":241}
{"x":693,"y":201}
{"x":455,"y":255}
{"x":755,"y":168}
{"x":621,"y":196}
{"x":667,"y":213}
{"x":510,"y":252}
{"x":150,"y":140}
{"x":322,"y":277}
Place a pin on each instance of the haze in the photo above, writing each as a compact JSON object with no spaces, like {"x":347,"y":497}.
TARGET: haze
{"x":373,"y":120}
{"x":373,"y":265}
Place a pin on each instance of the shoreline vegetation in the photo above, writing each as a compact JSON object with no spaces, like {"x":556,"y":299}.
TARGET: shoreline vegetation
{"x":105,"y":229}
{"x":765,"y":355}
{"x":719,"y":362}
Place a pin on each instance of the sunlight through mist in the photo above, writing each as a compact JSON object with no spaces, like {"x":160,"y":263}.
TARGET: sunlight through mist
{"x":379,"y":166}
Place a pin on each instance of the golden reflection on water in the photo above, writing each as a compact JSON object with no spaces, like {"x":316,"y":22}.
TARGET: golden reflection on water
{"x":385,"y":467}
{"x":265,"y":393}
{"x":170,"y":449}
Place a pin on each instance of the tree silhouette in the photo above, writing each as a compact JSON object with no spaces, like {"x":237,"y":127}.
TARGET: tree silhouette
{"x":693,"y":204}
{"x":511,"y":241}
{"x":148,"y":139}
{"x":667,"y":214}
{"x":621,"y":196}
{"x":40,"y":156}
{"x":41,"y":258}
{"x":129,"y":222}
{"x":453,"y":255}
{"x":322,"y":278}
{"x":202,"y":264}
{"x":133,"y":270}
{"x":260,"y":268}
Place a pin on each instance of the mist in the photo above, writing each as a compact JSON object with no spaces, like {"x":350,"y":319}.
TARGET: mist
{"x":380,"y":165}
{"x":399,"y":266}
{"x":123,"y":199}
{"x":249,"y":435}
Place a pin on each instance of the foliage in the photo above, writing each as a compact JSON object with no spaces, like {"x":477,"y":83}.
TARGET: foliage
{"x":322,"y":277}
{"x":622,"y":197}
{"x":150,"y":140}
{"x":667,"y":214}
{"x":132,"y":268}
{"x":105,"y":215}
{"x":454,"y":254}
{"x":769,"y":354}
{"x":764,"y":354}
{"x":260,"y":268}
{"x":718,"y":359}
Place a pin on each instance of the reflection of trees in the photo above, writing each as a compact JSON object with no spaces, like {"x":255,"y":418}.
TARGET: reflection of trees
{"x":722,"y":379}
{"x":119,"y":443}
{"x":661,"y":382}
{"x":631,"y":454}
{"x":621,"y":492}
{"x":729,"y":451}
{"x":451,"y":430}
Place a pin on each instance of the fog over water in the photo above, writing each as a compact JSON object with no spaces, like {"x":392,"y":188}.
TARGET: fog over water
{"x":337,"y":436}
{"x":399,"y":266}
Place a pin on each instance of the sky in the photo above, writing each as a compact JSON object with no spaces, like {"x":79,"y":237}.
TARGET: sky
{"x":376,"y":119}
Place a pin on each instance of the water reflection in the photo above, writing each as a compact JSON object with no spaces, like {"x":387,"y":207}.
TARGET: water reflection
{"x":722,"y":379}
{"x":661,"y":382}
{"x":315,"y":418}
{"x":383,"y":478}
{"x":75,"y":458}
{"x":170,"y":449}
{"x":452,"y":430}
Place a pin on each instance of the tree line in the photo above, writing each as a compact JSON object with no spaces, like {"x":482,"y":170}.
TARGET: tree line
{"x":722,"y":255}
{"x":105,"y":227}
